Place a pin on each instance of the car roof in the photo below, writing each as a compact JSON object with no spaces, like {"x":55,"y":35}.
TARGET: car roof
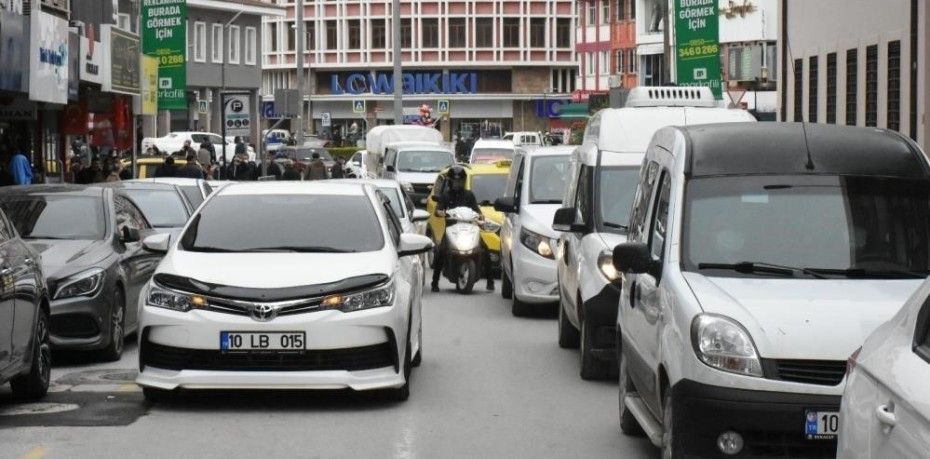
{"x":379,"y":183}
{"x":74,"y":190}
{"x":800,"y":148}
{"x":413,"y":145}
{"x":179,"y":181}
{"x":493,"y":143}
{"x":318,"y":187}
{"x":488,"y":169}
{"x":134,"y":185}
{"x":560,"y":150}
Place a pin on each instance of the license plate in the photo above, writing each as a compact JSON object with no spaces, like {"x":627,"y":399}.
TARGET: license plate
{"x":265,"y":341}
{"x":821,"y":425}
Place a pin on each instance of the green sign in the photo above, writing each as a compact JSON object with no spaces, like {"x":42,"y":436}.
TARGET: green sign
{"x":164,"y":23}
{"x":697,"y":38}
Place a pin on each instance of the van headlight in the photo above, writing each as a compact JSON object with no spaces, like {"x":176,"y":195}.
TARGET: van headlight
{"x":722,"y":343}
{"x":161,"y":297}
{"x":537,"y":243}
{"x":85,"y":283}
{"x":378,"y":297}
{"x":605,"y":264}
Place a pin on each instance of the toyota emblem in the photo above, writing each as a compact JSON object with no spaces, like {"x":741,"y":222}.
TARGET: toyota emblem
{"x":263,"y":312}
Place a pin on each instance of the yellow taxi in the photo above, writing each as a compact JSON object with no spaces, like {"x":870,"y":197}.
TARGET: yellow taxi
{"x":487,"y":182}
{"x":149,"y":164}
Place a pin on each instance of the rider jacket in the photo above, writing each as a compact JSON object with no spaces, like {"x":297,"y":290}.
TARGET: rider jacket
{"x":452,"y":199}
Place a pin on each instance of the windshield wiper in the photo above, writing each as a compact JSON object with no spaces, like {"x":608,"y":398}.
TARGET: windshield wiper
{"x":549,"y":201}
{"x":209,"y":249}
{"x":615,"y":225}
{"x":750,"y":267}
{"x":300,"y":249}
{"x":866,"y":273}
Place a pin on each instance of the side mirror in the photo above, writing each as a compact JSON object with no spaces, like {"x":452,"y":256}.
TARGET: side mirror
{"x":389,"y":168}
{"x":505,"y":205}
{"x":419,"y":215}
{"x":157,"y":243}
{"x":633,"y":258}
{"x":413,"y":244}
{"x":130,"y":235}
{"x":564,"y":221}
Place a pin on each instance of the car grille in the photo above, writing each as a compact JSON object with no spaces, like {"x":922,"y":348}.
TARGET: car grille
{"x":244,"y":308}
{"x":73,"y":326}
{"x":820,"y":372}
{"x":350,"y":359}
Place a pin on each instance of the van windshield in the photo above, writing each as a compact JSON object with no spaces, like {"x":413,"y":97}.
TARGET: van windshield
{"x":861,"y":227}
{"x":423,"y":161}
{"x":617,"y":186}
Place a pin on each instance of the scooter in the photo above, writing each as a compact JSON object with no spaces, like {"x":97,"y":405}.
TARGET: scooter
{"x":463,"y":266}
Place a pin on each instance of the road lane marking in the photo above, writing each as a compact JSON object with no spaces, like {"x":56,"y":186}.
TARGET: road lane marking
{"x":37,"y":453}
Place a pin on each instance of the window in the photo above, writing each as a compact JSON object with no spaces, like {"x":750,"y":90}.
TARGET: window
{"x":128,"y":215}
{"x":894,"y":85}
{"x":591,"y":11}
{"x":622,"y":5}
{"x":456,"y":33}
{"x":537,"y":32}
{"x":605,"y":11}
{"x":406,"y":33}
{"x":332,"y":35}
{"x":484,"y":32}
{"x":660,"y":218}
{"x":812,"y":90}
{"x":605,"y":63}
{"x":548,"y":179}
{"x":798,"y":89}
{"x":309,"y":35}
{"x":511,"y":32}
{"x":831,"y":88}
{"x":235,"y":44}
{"x":590,"y":67}
{"x":378,"y":34}
{"x":355,"y":33}
{"x":922,"y":332}
{"x":393,"y":224}
{"x":56,"y":217}
{"x":124,"y":22}
{"x":423,"y":161}
{"x":251,"y":45}
{"x":652,"y":70}
{"x":642,"y":197}
{"x":583,"y":196}
{"x":852,"y":86}
{"x":871,"y":86}
{"x":216,"y":54}
{"x":200,"y":41}
{"x":429,"y":34}
{"x":563,"y":33}
{"x":164,"y":208}
{"x":488,"y":187}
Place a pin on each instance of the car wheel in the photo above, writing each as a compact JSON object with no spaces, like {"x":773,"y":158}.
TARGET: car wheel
{"x":568,"y":334}
{"x":34,"y":385}
{"x":591,"y":367}
{"x":506,"y":285}
{"x":418,"y":359}
{"x":670,"y":447}
{"x":153,"y":395}
{"x":402,"y":393}
{"x":628,"y":423}
{"x":114,"y":350}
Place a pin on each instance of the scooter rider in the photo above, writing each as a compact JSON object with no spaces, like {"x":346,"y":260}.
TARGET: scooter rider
{"x":454,"y":196}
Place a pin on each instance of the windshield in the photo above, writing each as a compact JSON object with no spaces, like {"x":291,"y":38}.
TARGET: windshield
{"x":392,"y":196}
{"x":57,"y":217}
{"x":423,"y":161}
{"x":617,"y":189}
{"x":871,"y":225}
{"x":488,"y":187}
{"x":285,"y":223}
{"x":547,"y":179}
{"x":490,"y":155}
{"x":162,"y":208}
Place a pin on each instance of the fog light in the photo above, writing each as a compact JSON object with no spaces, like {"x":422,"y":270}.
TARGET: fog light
{"x":730,"y":443}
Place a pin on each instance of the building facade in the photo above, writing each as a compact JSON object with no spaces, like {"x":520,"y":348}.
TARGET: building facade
{"x":862,"y":67}
{"x":606,"y":45}
{"x":508,"y":62}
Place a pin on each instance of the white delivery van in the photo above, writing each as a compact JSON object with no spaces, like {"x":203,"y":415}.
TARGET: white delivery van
{"x":379,"y":137}
{"x":595,"y":215}
{"x":415,"y":166}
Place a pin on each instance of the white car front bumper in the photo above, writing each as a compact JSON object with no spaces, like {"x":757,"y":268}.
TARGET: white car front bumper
{"x":357,"y":350}
{"x":535,"y":278}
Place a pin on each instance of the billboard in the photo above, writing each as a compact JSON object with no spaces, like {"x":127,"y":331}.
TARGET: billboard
{"x":697,"y":44}
{"x":165,"y":37}
{"x":48,"y":58}
{"x":122,"y":61}
{"x":149,"y":85}
{"x":14,"y":52}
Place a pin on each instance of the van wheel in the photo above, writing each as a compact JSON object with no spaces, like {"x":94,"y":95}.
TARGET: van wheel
{"x":628,"y":424}
{"x":591,"y":367}
{"x":506,"y":285}
{"x":34,"y":385}
{"x":568,"y":335}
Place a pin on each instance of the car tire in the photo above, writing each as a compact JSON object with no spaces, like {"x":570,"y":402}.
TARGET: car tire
{"x":153,"y":395}
{"x":117,"y":328}
{"x":671,"y":448}
{"x":506,"y":285}
{"x":402,"y":393}
{"x":591,"y":367}
{"x":34,"y":385}
{"x":418,"y":359}
{"x":568,"y":334}
{"x":628,"y":423}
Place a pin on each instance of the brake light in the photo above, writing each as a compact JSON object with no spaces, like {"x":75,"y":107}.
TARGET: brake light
{"x":851,"y":361}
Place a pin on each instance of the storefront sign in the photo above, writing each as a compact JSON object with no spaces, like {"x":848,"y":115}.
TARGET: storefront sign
{"x":122,"y":61}
{"x":14,"y":52}
{"x":414,"y":83}
{"x":237,"y":114}
{"x":165,"y":37}
{"x":48,"y":58}
{"x":91,"y":58}
{"x":18,"y":109}
{"x":550,"y":108}
{"x":149,"y":85}
{"x":697,"y":34}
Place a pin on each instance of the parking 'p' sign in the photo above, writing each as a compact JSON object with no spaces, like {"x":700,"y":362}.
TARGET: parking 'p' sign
{"x":237,"y":114}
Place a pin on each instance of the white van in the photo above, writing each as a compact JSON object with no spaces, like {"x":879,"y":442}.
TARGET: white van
{"x":379,"y":137}
{"x":760,"y":257}
{"x":415,"y":165}
{"x":596,"y":208}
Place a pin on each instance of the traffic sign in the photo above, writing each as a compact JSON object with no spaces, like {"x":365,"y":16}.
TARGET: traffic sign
{"x":237,"y":114}
{"x":203,"y":107}
{"x":358,"y":106}
{"x":268,"y":110}
{"x":443,"y":107}
{"x":327,"y":119}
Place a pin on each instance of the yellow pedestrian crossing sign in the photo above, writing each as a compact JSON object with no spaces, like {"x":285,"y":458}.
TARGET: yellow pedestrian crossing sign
{"x":443,"y":107}
{"x":358,"y":106}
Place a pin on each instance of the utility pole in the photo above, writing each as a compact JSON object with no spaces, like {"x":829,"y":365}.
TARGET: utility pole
{"x":299,"y":135}
{"x":398,"y":76}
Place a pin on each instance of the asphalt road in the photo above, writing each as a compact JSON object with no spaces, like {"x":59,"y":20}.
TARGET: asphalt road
{"x":491,"y":385}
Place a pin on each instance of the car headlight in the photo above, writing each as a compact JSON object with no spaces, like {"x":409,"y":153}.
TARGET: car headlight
{"x":408,"y":187}
{"x":605,"y":265}
{"x":378,"y":297}
{"x":490,"y":227}
{"x":537,"y":243}
{"x":85,"y":283}
{"x":161,"y":297}
{"x":724,"y":344}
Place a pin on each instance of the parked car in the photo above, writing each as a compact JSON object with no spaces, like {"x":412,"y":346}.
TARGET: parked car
{"x":164,"y":206}
{"x":527,"y":138}
{"x":174,"y":141}
{"x":25,"y":351}
{"x":416,"y":165}
{"x":596,"y":210}
{"x":195,"y":190}
{"x":534,"y":192}
{"x":356,"y":166}
{"x":329,"y":296}
{"x":760,"y":257}
{"x":302,"y":156}
{"x":886,"y":407}
{"x":487,"y":151}
{"x":89,"y":242}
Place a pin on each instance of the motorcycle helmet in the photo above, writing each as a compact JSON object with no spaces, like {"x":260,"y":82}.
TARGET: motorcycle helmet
{"x":456,"y":176}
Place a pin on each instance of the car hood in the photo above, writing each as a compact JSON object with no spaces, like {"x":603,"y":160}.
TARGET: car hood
{"x":61,"y":258}
{"x":419,"y":178}
{"x":538,"y":218}
{"x":274,"y":270}
{"x":818,"y":319}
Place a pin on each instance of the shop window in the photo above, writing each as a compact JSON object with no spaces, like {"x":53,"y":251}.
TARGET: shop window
{"x":831,"y":88}
{"x":355,"y":33}
{"x":537,"y":32}
{"x":812,"y":89}
{"x":332,"y":35}
{"x":484,"y":32}
{"x":563,"y":33}
{"x":871,"y":86}
{"x":852,"y":86}
{"x":894,"y":85}
{"x":456,"y":33}
{"x":511,"y":32}
{"x":798,"y":90}
{"x":378,"y":34}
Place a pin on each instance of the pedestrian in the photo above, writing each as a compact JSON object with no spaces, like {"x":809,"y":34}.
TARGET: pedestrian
{"x":290,"y":172}
{"x":187,"y":149}
{"x":192,"y":169}
{"x":272,"y":167}
{"x":115,"y":169}
{"x":206,"y":154}
{"x":338,"y":169}
{"x":167,"y":169}
{"x":241,"y":149}
{"x":20,"y":168}
{"x":317,"y":169}
{"x":240,"y":169}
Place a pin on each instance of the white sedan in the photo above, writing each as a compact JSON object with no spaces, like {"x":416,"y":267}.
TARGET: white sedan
{"x":284,"y":285}
{"x":885,"y":410}
{"x":174,"y":141}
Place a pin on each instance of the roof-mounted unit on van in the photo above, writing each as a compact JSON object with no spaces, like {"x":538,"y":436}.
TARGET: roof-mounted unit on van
{"x":671,"y":96}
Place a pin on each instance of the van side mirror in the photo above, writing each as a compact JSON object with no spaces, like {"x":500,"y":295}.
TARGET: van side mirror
{"x":506,"y":205}
{"x":566,"y":222}
{"x":633,"y":258}
{"x":389,"y":168}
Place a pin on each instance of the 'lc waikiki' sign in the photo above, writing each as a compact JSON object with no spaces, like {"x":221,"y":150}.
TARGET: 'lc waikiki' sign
{"x":413,"y":83}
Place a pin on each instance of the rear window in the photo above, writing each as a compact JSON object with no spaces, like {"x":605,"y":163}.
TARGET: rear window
{"x":162,"y":208}
{"x":490,"y":155}
{"x":285,"y":223}
{"x":488,"y":187}
{"x":56,"y":216}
